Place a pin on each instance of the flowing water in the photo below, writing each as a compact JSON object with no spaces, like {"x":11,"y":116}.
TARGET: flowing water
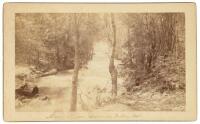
{"x":57,"y":88}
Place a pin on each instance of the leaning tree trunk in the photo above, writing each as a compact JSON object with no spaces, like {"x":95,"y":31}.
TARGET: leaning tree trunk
{"x":112,"y":68}
{"x":75,"y":75}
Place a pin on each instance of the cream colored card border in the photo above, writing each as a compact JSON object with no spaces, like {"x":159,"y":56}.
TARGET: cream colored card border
{"x":9,"y":60}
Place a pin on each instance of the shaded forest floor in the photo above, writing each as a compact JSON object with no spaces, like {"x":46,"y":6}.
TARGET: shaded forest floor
{"x":94,"y":91}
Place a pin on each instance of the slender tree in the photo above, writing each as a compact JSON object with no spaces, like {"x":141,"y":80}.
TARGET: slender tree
{"x":112,"y":68}
{"x":76,"y":64}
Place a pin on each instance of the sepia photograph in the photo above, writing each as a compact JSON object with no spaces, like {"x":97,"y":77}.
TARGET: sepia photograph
{"x":99,"y":62}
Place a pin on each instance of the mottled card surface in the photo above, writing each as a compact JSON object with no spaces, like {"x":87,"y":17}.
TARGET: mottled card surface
{"x":97,"y":62}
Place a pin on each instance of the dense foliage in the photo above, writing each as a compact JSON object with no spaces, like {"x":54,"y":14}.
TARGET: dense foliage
{"x":153,"y":40}
{"x":47,"y":40}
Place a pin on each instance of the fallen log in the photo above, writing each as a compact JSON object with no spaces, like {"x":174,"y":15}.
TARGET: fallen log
{"x":51,"y":72}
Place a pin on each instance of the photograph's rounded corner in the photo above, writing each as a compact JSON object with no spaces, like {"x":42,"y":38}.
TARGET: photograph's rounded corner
{"x":7,"y":118}
{"x":193,"y":119}
{"x":6,"y":5}
{"x":194,"y":4}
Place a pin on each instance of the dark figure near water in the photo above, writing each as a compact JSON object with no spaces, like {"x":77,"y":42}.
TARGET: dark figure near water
{"x":26,"y":91}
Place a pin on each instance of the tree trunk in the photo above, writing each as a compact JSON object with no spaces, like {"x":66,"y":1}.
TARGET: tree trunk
{"x":76,"y":71}
{"x":129,"y":48}
{"x":112,"y":68}
{"x":74,"y":80}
